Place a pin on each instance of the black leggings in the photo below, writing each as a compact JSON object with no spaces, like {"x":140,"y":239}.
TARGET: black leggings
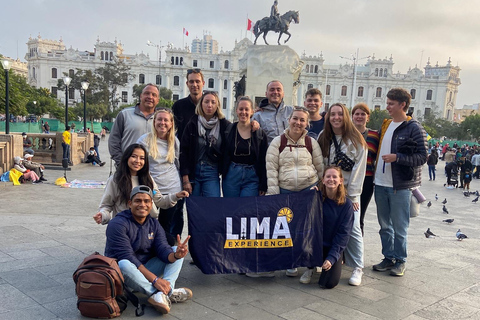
{"x":329,"y":279}
{"x":365,"y":198}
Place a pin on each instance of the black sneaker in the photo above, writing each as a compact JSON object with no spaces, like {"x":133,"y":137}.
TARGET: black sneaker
{"x":102,"y":164}
{"x":399,"y":269}
{"x":385,"y":265}
{"x":43,"y":179}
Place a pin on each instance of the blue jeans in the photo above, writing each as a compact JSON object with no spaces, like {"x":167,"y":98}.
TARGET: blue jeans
{"x":240,"y":181}
{"x":66,"y":151}
{"x":393,"y":213}
{"x":135,"y":280}
{"x":431,"y":171}
{"x":207,"y":182}
{"x":354,"y":250}
{"x":98,"y":153}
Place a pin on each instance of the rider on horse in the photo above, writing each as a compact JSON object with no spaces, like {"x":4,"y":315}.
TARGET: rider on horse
{"x":274,"y":16}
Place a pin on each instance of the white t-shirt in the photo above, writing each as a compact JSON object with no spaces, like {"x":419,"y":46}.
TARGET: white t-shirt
{"x":383,"y":173}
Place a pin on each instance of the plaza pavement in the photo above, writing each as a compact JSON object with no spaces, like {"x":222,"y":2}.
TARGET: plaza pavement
{"x":46,"y":231}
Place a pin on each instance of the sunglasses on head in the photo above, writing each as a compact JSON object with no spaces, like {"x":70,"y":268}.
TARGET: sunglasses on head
{"x":189,"y":71}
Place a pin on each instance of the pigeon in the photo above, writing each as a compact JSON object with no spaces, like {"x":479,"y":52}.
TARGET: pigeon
{"x":466,"y":194}
{"x":445,"y":201}
{"x":429,"y":204}
{"x":475,"y":200}
{"x":436,"y":197}
{"x":429,"y":233}
{"x":476,"y":193}
{"x":461,"y":235}
{"x":448,"y":220}
{"x":445,"y":209}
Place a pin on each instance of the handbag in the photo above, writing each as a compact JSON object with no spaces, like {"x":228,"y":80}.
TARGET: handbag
{"x":341,"y":159}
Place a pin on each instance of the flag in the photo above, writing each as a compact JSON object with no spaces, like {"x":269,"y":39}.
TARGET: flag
{"x":185,"y":32}
{"x":256,"y":234}
{"x":249,"y":25}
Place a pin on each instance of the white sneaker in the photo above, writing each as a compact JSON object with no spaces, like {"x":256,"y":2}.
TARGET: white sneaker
{"x":307,"y":276}
{"x":291,"y":272}
{"x":181,"y":295}
{"x":160,"y":302}
{"x":356,"y":278}
{"x":269,"y":274}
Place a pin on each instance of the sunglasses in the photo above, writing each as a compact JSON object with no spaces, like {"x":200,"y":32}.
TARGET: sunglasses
{"x":190,"y":71}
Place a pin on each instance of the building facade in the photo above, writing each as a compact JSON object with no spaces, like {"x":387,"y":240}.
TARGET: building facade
{"x":433,"y":90}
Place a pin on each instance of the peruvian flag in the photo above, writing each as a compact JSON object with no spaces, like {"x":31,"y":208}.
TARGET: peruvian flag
{"x":185,"y":32}
{"x":249,"y":25}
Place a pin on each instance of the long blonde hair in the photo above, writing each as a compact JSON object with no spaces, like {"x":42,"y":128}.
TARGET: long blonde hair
{"x":349,"y":131}
{"x":152,"y":138}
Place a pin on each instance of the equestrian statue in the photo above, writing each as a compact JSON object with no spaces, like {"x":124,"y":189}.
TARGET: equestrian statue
{"x":275,"y":23}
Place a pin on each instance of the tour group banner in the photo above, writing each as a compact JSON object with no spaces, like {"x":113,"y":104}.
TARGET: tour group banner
{"x":256,"y":234}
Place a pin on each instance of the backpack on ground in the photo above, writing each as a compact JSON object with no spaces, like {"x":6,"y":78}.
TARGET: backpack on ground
{"x":100,"y":288}
{"x":284,"y":143}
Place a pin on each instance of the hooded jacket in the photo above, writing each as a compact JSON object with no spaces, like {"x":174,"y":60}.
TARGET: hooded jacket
{"x":273,"y":120}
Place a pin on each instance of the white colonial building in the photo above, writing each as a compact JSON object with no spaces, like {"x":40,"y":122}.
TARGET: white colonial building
{"x":433,"y":90}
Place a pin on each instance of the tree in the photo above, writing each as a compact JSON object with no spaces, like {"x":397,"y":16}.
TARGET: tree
{"x":376,"y":119}
{"x":470,"y":127}
{"x":165,"y":93}
{"x":114,"y":75}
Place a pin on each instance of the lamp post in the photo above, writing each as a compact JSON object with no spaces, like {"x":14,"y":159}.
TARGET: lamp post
{"x":6,"y":65}
{"x":159,"y":55}
{"x":66,"y":80}
{"x":355,"y":59}
{"x":85,"y":87}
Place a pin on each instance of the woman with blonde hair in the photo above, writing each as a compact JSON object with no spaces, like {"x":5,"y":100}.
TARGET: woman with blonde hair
{"x":343,"y":145}
{"x":163,"y":153}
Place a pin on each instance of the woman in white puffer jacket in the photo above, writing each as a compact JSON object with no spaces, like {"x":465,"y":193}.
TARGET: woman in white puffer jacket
{"x":297,"y":164}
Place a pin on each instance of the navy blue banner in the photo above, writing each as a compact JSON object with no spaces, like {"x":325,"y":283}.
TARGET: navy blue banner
{"x":256,"y":234}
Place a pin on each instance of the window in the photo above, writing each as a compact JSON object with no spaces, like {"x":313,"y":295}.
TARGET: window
{"x":225,"y":84}
{"x":176,"y":81}
{"x":225,"y":64}
{"x":141,"y":78}
{"x":310,"y":86}
{"x":124,"y":96}
{"x":211,"y":83}
{"x":429,"y":94}
{"x":106,"y":56}
{"x":54,"y":73}
{"x":101,"y":56}
{"x":344,"y":91}
{"x":71,"y":73}
{"x":450,"y":96}
{"x":224,"y":103}
{"x":377,"y":107}
{"x":307,"y":68}
{"x":316,"y":69}
{"x":175,"y":97}
{"x":71,"y":93}
{"x":413,"y":93}
{"x":181,"y":61}
{"x":212,"y":64}
{"x":34,"y":73}
{"x":158,"y":79}
{"x":376,"y":72}
{"x":111,"y":56}
{"x":195,"y":63}
{"x":327,"y":90}
{"x":378,"y":94}
{"x":326,"y":106}
{"x":381,"y":72}
{"x":173,"y":60}
{"x":411,"y":110}
{"x":54,"y":91}
{"x":385,"y":73}
{"x":427,"y":112}
{"x":360,"y":92}
{"x":176,"y":61}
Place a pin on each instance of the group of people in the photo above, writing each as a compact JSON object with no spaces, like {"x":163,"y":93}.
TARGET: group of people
{"x":164,"y":156}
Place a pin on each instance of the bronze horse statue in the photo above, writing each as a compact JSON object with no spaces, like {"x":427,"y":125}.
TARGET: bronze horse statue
{"x":263,"y":26}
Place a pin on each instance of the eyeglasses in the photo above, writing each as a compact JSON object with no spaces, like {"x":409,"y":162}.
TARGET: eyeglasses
{"x":189,"y":71}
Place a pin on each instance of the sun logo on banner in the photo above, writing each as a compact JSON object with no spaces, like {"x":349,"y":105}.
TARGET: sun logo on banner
{"x":287,"y":212}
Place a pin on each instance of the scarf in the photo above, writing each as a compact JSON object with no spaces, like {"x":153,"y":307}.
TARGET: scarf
{"x":213,"y":125}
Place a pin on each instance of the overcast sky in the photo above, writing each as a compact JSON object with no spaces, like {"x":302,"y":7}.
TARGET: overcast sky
{"x":404,"y":29}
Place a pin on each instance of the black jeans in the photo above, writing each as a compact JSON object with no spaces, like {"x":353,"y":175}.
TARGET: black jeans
{"x":171,"y":220}
{"x":329,"y":279}
{"x":365,"y":198}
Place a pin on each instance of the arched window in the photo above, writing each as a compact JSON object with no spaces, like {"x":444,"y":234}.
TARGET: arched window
{"x":106,"y":56}
{"x":344,"y":91}
{"x":381,"y":72}
{"x":158,"y":79}
{"x":71,"y":93}
{"x":226,"y":64}
{"x":385,"y":73}
{"x":378,"y":94}
{"x":307,"y":68}
{"x":54,"y":73}
{"x":310,"y":86}
{"x":211,"y":83}
{"x":101,"y":56}
{"x":327,"y":90}
{"x":173,"y":60}
{"x":376,"y":72}
{"x":429,"y":94}
{"x":316,"y":69}
{"x":34,"y":73}
{"x":176,"y":81}
{"x":360,"y":92}
{"x":176,"y":61}
{"x":225,"y":84}
{"x":450,"y":96}
{"x":141,"y":78}
{"x":413,"y":93}
{"x":181,"y":61}
{"x":71,"y":73}
{"x":111,"y":56}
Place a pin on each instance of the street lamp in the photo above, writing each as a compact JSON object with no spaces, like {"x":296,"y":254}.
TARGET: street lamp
{"x":66,"y":80}
{"x":354,"y":58}
{"x":85,"y":87}
{"x":159,"y":55}
{"x":6,"y":66}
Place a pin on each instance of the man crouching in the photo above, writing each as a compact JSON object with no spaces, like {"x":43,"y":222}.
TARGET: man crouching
{"x":148,"y":264}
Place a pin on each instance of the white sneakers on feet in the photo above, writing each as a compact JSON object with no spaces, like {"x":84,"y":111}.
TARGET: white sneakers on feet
{"x":307,"y":276}
{"x":160,"y":302}
{"x":291,"y":272}
{"x":181,"y":295}
{"x":356,"y":278}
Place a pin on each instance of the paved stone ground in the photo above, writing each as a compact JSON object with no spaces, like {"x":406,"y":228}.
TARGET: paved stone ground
{"x":45,"y":232}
